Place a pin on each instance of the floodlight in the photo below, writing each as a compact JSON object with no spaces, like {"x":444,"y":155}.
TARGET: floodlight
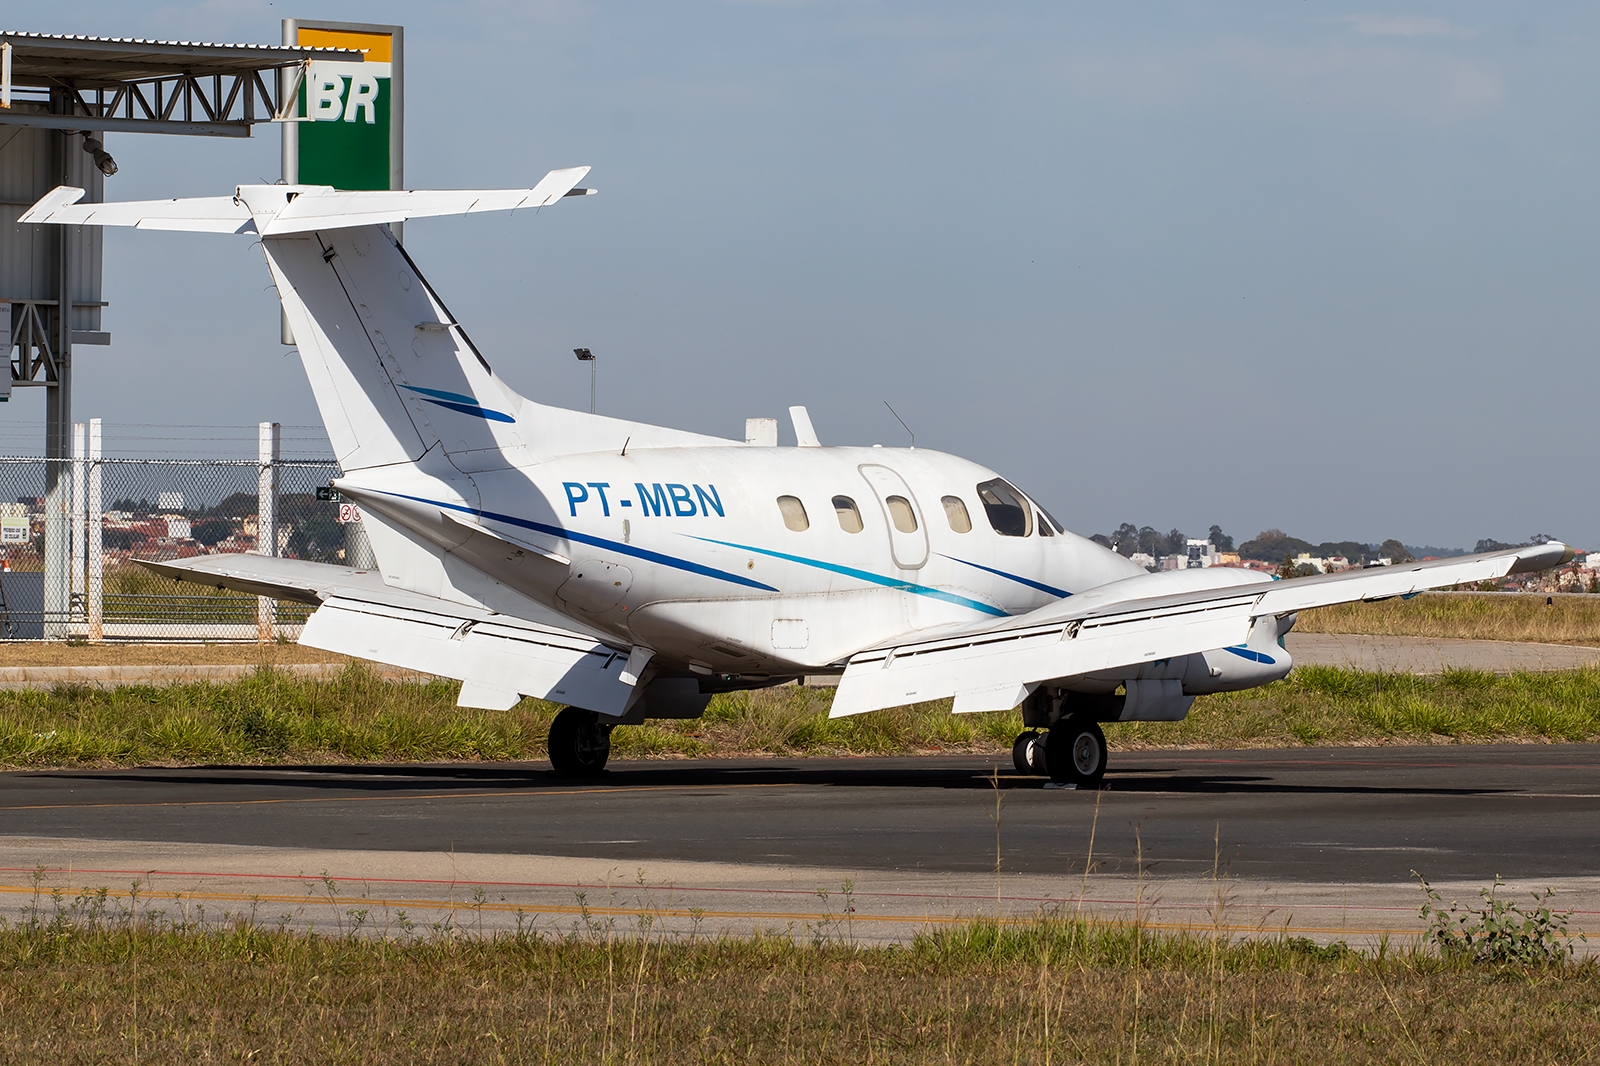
{"x":102,"y":158}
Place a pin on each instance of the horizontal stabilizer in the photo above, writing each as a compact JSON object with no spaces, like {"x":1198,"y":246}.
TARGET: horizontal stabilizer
{"x":277,"y":210}
{"x":203,"y":214}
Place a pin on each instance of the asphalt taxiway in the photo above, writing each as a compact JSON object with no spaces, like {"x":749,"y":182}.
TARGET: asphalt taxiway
{"x":1320,"y":840}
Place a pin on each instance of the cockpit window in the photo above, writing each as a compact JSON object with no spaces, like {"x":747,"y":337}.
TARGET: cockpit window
{"x":956,"y":512}
{"x":849,"y":514}
{"x":1044,"y":525}
{"x":794,"y":513}
{"x":1048,"y":517}
{"x":1008,"y":511}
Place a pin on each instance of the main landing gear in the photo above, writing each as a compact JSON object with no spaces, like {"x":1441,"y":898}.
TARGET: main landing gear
{"x":1071,"y":752}
{"x":579,"y":743}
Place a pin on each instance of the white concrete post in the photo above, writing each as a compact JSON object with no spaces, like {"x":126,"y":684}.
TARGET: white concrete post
{"x":97,"y":556}
{"x":79,"y":548}
{"x":270,"y":434}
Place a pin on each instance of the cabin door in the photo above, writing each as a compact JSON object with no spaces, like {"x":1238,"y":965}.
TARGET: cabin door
{"x":908,"y":539}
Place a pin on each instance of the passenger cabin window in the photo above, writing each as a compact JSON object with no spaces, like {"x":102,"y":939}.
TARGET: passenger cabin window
{"x":1008,"y":512}
{"x":849,"y":514}
{"x":794,"y":513}
{"x":900,"y":512}
{"x":956,"y":512}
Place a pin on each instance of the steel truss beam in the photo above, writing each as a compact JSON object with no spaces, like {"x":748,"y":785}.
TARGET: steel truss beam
{"x":220,"y":105}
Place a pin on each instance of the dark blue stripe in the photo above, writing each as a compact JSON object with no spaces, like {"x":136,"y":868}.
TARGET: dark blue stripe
{"x":1040,"y":585}
{"x":454,"y":401}
{"x":442,"y":395}
{"x":598,"y":542}
{"x":1254,"y":656}
{"x":481,"y":412}
{"x":864,"y":575}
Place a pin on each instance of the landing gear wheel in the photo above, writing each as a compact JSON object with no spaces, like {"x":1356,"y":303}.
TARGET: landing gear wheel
{"x":1075,"y":752}
{"x":579,"y":743}
{"x":1027,"y":754}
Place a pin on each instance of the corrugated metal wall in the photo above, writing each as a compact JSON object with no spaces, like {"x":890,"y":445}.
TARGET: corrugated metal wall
{"x":30,"y":166}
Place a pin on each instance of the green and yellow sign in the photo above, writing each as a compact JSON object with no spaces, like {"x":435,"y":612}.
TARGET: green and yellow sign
{"x":349,"y":133}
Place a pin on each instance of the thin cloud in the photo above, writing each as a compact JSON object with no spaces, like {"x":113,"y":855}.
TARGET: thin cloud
{"x":1404,"y":26}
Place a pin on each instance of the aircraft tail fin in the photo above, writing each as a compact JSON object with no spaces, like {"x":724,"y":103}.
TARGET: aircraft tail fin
{"x":393,"y":374}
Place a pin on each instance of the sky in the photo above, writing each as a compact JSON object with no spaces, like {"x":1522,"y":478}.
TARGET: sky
{"x":1313,"y":266}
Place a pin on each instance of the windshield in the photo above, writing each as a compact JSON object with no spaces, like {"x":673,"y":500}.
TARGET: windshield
{"x":1007,"y":510}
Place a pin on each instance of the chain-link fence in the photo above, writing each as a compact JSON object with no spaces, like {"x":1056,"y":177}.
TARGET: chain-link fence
{"x":72,"y":532}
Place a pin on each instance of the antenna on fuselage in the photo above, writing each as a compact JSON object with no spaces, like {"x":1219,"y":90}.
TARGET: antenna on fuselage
{"x":902,"y":422}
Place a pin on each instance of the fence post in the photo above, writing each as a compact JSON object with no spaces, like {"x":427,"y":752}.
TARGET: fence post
{"x":268,"y":440}
{"x":79,"y":547}
{"x":96,"y":545}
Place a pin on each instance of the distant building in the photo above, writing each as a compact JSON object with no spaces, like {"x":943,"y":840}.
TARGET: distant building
{"x":1144,"y":559}
{"x":1201,"y":553}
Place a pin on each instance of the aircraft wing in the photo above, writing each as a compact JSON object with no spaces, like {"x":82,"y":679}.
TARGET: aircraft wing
{"x":497,"y":658}
{"x":996,"y":668}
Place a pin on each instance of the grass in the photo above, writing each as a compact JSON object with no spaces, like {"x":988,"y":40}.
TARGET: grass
{"x":272,"y":717}
{"x":1053,"y":991}
{"x":1467,"y":616}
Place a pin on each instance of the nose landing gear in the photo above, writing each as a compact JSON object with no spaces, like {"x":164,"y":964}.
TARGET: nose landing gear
{"x":579,"y":743}
{"x":1072,"y":752}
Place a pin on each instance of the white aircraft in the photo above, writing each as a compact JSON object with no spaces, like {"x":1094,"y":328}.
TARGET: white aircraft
{"x":630,"y":571}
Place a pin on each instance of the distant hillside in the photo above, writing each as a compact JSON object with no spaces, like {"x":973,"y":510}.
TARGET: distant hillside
{"x":1272,"y":545}
{"x":1428,"y":549}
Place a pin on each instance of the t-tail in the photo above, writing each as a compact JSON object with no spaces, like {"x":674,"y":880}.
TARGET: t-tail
{"x":385,"y":358}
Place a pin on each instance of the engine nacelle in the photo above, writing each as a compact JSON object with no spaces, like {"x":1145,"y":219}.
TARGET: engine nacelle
{"x":1164,"y":690}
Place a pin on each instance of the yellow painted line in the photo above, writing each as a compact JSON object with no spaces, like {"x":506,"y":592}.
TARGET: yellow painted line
{"x":696,"y":913}
{"x":529,"y":792}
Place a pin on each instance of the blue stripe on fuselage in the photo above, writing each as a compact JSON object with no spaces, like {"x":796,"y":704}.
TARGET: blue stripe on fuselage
{"x":584,"y":538}
{"x":864,"y":575}
{"x":1040,"y":585}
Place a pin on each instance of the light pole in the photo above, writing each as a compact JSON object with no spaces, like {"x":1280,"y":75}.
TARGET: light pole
{"x":586,"y":356}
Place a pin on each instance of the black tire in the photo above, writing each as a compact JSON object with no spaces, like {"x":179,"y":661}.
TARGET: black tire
{"x":1027,"y":754}
{"x":1075,"y":752}
{"x":579,"y":743}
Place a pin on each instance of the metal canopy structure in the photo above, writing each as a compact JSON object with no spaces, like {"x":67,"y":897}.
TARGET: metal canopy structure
{"x":58,"y":94}
{"x":129,"y":85}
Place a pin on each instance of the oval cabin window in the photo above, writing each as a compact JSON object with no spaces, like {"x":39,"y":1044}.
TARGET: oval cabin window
{"x":900,"y":512}
{"x":956,"y":513}
{"x":794,"y":513}
{"x":849,"y":514}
